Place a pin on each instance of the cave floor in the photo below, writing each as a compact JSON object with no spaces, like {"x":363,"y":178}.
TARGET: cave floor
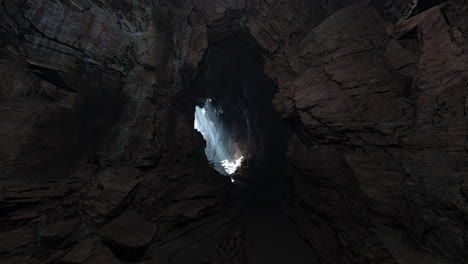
{"x":274,"y":236}
{"x":271,"y":236}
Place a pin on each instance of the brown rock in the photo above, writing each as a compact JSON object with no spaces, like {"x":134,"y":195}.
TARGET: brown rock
{"x":15,"y":239}
{"x":128,"y":235}
{"x":80,"y":253}
{"x":55,"y":233}
{"x":111,"y":193}
{"x":379,"y":109}
{"x":101,"y":256}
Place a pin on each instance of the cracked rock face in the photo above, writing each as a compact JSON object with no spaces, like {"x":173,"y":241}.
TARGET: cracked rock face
{"x":128,"y":235}
{"x":99,"y":162}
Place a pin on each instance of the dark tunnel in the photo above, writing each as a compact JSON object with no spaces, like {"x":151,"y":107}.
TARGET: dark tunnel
{"x":232,"y":76}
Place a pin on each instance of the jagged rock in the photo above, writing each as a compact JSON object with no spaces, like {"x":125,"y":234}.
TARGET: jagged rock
{"x":406,"y":25}
{"x":102,"y":255}
{"x":19,"y":118}
{"x":16,"y":241}
{"x":54,"y":234}
{"x":128,"y":235}
{"x":377,"y":101}
{"x":111,"y":193}
{"x":234,"y":249}
{"x":198,"y":191}
{"x":20,"y":81}
{"x":89,"y":251}
{"x":96,"y":27}
{"x":79,"y":253}
{"x":15,"y":260}
{"x":30,"y":201}
{"x":408,"y":151}
{"x":188,"y":209}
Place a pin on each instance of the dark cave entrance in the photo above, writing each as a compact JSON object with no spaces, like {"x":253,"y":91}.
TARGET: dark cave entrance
{"x":222,"y":148}
{"x":231,"y":83}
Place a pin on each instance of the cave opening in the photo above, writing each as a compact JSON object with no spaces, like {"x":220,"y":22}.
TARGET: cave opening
{"x":233,"y":107}
{"x":221,"y":149}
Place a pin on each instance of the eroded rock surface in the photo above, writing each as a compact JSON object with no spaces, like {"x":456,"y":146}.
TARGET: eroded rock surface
{"x":389,"y":100}
{"x":128,"y":235}
{"x":97,"y":139}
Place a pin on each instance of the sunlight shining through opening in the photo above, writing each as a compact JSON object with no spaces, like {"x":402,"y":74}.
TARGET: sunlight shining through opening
{"x":221,"y":150}
{"x":231,"y":166}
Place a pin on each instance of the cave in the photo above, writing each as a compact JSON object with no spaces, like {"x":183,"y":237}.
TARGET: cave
{"x":231,"y":85}
{"x":222,"y":150}
{"x":240,"y":131}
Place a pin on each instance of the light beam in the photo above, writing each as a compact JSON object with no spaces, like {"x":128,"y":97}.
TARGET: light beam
{"x":218,"y":149}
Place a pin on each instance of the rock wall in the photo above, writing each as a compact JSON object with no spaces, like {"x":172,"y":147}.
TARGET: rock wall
{"x":388,"y":99}
{"x":90,"y":136}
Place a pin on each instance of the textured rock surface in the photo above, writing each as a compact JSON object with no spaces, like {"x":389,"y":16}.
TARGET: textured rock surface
{"x":113,"y":191}
{"x":54,"y":233}
{"x":96,"y":119}
{"x":390,"y":101}
{"x":128,"y":235}
{"x":84,"y":110}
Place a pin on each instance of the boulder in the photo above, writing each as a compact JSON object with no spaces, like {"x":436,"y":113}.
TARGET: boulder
{"x":55,"y":233}
{"x":128,"y":235}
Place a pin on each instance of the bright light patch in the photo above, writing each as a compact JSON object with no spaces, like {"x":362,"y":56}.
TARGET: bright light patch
{"x":221,"y":150}
{"x":231,"y":166}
